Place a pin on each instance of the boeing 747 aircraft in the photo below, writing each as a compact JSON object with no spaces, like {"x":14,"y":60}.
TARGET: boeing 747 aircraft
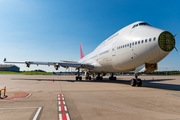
{"x":136,"y":47}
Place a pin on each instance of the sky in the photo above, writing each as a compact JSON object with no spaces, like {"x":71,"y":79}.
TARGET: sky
{"x":44,"y":30}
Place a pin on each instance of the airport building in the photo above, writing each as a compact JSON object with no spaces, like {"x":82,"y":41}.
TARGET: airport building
{"x":12,"y":68}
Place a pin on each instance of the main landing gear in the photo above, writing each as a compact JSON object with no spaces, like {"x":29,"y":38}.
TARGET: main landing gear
{"x":88,"y":77}
{"x":136,"y":81}
{"x":111,"y":77}
{"x":99,"y":77}
{"x":78,"y":77}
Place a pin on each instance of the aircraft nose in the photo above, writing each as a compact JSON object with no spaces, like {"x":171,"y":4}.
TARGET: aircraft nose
{"x":166,"y":41}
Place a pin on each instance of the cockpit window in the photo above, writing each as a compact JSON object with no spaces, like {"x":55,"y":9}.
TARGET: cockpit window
{"x":143,"y":23}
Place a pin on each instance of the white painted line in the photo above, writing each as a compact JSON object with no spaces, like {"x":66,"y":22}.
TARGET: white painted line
{"x":64,"y":116}
{"x":18,"y":108}
{"x":62,"y":108}
{"x":67,"y":115}
{"x":28,"y":95}
{"x":60,"y":95}
{"x":37,"y":113}
{"x":61,"y":102}
{"x":60,"y":98}
{"x":65,"y":108}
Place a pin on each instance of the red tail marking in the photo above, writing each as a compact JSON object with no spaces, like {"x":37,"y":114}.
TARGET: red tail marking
{"x":81,"y":51}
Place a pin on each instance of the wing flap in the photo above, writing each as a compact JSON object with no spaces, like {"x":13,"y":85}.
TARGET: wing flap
{"x":56,"y":64}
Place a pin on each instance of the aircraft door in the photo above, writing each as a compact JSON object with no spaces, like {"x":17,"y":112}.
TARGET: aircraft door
{"x":113,"y":51}
{"x":133,"y":48}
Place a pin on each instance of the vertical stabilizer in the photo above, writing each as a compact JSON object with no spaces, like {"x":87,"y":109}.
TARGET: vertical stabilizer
{"x":81,"y":51}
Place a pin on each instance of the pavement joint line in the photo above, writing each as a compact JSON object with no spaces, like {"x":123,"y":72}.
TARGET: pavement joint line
{"x":177,"y":95}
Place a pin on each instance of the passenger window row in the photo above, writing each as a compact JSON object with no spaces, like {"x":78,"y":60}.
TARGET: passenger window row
{"x":135,"y":43}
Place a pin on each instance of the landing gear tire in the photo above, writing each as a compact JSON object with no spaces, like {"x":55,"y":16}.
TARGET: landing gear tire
{"x":98,"y":78}
{"x":139,"y":82}
{"x":88,"y":77}
{"x":133,"y":82}
{"x":112,"y":78}
{"x":78,"y":78}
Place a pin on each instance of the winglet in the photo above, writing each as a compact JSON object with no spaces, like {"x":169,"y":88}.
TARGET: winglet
{"x":4,"y":60}
{"x":81,"y":51}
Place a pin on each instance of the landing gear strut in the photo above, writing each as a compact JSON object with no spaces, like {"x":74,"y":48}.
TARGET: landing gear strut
{"x":87,"y":76}
{"x":111,"y":77}
{"x":136,"y":81}
{"x":99,"y":77}
{"x":78,"y":77}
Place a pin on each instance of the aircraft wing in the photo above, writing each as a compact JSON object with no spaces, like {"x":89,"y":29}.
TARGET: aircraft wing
{"x":55,"y":64}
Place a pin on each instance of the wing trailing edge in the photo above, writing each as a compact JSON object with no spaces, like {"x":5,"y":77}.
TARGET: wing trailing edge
{"x":55,"y":64}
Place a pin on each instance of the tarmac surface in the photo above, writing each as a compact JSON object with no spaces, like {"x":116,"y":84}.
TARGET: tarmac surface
{"x":157,"y":99}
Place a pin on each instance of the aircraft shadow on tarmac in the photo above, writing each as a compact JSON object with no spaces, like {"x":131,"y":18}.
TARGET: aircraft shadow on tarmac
{"x":147,"y":83}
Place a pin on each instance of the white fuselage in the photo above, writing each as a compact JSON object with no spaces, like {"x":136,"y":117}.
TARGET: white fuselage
{"x":127,"y":49}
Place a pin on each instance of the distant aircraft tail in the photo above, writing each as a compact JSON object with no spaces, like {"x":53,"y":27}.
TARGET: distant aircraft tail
{"x":81,"y":51}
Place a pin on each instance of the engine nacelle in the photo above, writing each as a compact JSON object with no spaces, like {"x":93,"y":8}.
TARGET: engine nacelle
{"x":27,"y":64}
{"x":56,"y":66}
